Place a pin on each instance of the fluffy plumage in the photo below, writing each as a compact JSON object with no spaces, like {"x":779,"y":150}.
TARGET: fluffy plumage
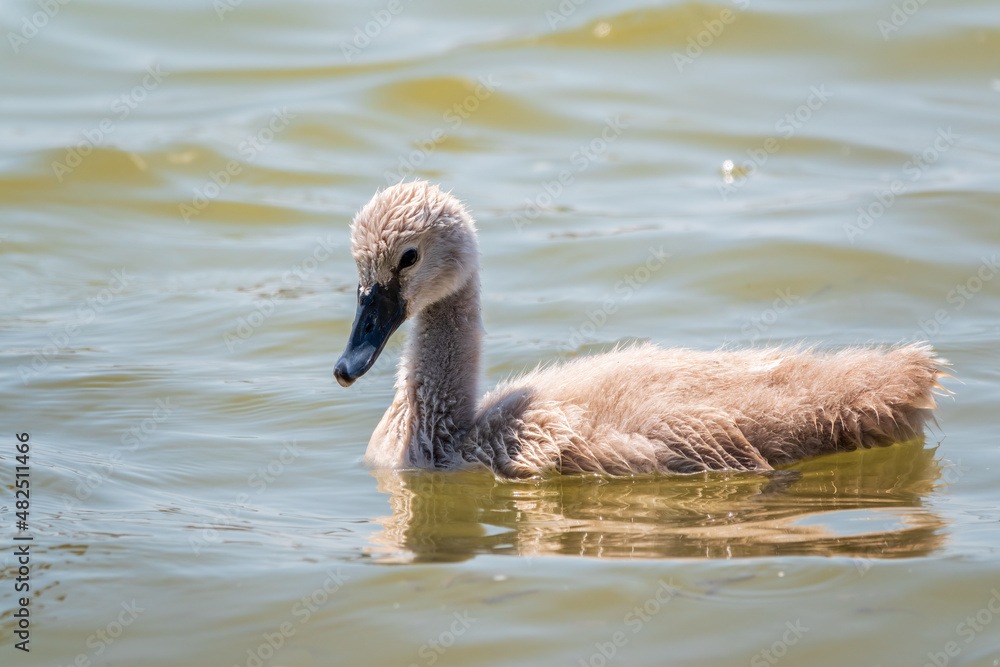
{"x":639,"y":409}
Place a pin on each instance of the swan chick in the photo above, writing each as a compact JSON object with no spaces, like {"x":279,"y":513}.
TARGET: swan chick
{"x":635,"y":410}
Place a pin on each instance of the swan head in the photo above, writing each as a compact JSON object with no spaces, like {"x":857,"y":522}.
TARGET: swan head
{"x":414,"y":245}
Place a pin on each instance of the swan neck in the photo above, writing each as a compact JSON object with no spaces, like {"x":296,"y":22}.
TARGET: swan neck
{"x":442,"y":375}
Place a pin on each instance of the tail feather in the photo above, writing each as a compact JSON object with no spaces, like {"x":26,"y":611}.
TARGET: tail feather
{"x":864,"y":397}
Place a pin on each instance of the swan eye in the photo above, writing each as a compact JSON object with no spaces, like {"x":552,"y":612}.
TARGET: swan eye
{"x":409,"y":258}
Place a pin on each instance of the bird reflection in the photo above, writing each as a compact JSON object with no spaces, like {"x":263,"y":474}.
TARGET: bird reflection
{"x":862,"y":504}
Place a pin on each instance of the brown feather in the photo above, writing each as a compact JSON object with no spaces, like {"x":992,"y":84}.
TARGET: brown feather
{"x":638,"y":409}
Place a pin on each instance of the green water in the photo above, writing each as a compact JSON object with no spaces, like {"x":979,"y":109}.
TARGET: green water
{"x":176,"y":181}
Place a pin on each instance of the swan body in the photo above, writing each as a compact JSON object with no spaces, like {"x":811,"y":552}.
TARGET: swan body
{"x":637,"y":409}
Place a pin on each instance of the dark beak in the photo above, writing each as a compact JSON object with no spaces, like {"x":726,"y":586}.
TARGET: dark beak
{"x":380,"y":312}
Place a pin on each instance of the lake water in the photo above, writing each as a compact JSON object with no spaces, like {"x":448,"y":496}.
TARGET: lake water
{"x":176,"y":182}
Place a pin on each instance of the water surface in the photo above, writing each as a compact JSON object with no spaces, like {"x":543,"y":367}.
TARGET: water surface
{"x":176,"y":181}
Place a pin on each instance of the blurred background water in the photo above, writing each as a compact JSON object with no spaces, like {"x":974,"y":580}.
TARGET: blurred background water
{"x":176,"y":182}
